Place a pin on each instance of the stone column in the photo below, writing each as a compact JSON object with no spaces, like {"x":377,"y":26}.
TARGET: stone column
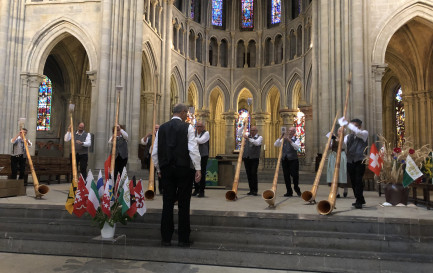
{"x":34,"y":80}
{"x":375,"y":122}
{"x":288,"y":116}
{"x":261,"y":118}
{"x":230,"y":118}
{"x":177,"y":35}
{"x":246,"y":55}
{"x":218,"y":54}
{"x":195,"y":47}
{"x":309,"y":151}
{"x":272,"y":51}
{"x":203,"y":115}
{"x":152,"y":23}
{"x":147,"y":7}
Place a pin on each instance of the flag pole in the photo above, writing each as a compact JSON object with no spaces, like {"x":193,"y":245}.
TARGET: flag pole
{"x":114,"y":139}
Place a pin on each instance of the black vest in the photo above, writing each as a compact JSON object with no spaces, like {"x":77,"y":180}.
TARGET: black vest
{"x":203,"y":148}
{"x":289,"y":152}
{"x":251,"y":151}
{"x":355,"y":148}
{"x":80,"y":149}
{"x":173,"y":144}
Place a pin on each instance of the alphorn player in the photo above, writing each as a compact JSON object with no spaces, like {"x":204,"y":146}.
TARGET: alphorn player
{"x":83,"y":141}
{"x":251,"y":157}
{"x":342,"y":175}
{"x":121,"y":150}
{"x":176,"y":157}
{"x":290,"y":160}
{"x":147,"y":142}
{"x":355,"y":143}
{"x":202,"y":138}
{"x":19,"y":156}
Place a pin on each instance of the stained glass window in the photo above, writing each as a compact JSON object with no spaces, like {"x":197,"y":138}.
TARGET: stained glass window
{"x":247,"y":10}
{"x":275,"y":11}
{"x":399,"y":118}
{"x":299,"y":124}
{"x":44,"y":105}
{"x":243,"y":113}
{"x":217,"y":13}
{"x":195,"y":10}
{"x":192,"y":9}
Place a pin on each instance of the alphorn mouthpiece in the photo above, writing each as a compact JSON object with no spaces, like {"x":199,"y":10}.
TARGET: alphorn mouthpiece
{"x":119,"y":88}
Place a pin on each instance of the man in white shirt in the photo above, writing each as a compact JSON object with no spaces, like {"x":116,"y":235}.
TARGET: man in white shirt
{"x":251,"y":157}
{"x":19,"y":155}
{"x":202,"y":137}
{"x":176,"y":155}
{"x":83,"y":140}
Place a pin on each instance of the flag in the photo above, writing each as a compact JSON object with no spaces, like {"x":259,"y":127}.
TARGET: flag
{"x":80,"y":198}
{"x":133,"y":207}
{"x":375,"y":161}
{"x":71,"y":196}
{"x":106,"y":203}
{"x":120,"y":181}
{"x":125,"y":196}
{"x":100,"y":185}
{"x":107,"y":165}
{"x":139,"y":199}
{"x":411,"y":172}
{"x":92,"y":203}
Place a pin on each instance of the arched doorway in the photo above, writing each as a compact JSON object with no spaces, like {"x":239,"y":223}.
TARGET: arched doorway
{"x":276,"y":122}
{"x":216,"y":124}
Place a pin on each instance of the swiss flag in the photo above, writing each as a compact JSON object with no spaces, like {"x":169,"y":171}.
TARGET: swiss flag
{"x":108,"y":193}
{"x":81,"y":198}
{"x":375,"y":161}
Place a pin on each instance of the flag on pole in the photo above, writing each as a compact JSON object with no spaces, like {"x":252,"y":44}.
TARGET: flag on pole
{"x":139,"y":199}
{"x":375,"y":161}
{"x":100,"y":185}
{"x":133,"y":207}
{"x":125,"y":196}
{"x":69,"y":205}
{"x":120,"y":181}
{"x":80,"y":198}
{"x":108,"y":192}
{"x":92,"y":203}
{"x":411,"y":172}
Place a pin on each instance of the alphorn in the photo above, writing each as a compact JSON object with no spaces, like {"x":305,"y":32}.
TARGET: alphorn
{"x":325,"y":207}
{"x":150,"y":193}
{"x":310,"y":196}
{"x":73,"y":154}
{"x":39,"y":189}
{"x":114,"y":139}
{"x":269,"y":195}
{"x":232,"y":195}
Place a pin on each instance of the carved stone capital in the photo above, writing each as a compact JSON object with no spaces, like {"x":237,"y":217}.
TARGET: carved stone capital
{"x":35,"y":80}
{"x":378,"y":70}
{"x":92,"y":77}
{"x":308,"y":111}
{"x":288,"y":116}
{"x":229,"y":117}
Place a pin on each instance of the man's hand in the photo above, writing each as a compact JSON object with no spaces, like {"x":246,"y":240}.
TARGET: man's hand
{"x":342,"y":121}
{"x":78,"y":142}
{"x":197,"y":177}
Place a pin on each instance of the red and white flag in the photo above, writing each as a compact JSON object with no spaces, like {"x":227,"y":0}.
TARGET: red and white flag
{"x":139,"y":199}
{"x":81,"y":198}
{"x":108,"y":193}
{"x":375,"y":161}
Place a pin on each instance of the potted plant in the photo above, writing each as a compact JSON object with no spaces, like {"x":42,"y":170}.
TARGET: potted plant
{"x":393,"y":167}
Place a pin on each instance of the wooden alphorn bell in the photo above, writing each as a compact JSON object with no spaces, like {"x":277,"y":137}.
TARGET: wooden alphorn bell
{"x":232,"y":195}
{"x":150,"y":193}
{"x":269,"y":195}
{"x":114,"y":139}
{"x":73,"y":154}
{"x":310,"y":196}
{"x":40,"y":190}
{"x":325,"y":207}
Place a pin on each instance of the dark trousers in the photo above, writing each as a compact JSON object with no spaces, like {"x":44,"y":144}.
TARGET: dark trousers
{"x":251,"y":165}
{"x":18,"y":163}
{"x":200,"y":186}
{"x":356,"y":172}
{"x":119,"y":164}
{"x":291,"y":169}
{"x":176,"y":185}
{"x":81,"y":161}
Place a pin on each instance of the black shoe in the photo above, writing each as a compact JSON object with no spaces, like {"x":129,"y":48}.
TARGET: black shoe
{"x":298,"y":192}
{"x":338,"y":195}
{"x":288,"y":194}
{"x":362,"y":203}
{"x":345,"y":194}
{"x":250,"y":193}
{"x":194,"y":193}
{"x":200,"y":195}
{"x":184,"y":244}
{"x":165,"y":243}
{"x":358,"y":206}
{"x":254,"y":194}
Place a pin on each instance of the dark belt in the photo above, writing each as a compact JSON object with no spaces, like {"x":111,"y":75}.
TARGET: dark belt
{"x":18,"y":155}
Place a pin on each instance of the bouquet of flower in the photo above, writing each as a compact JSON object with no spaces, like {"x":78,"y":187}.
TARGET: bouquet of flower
{"x":394,"y":159}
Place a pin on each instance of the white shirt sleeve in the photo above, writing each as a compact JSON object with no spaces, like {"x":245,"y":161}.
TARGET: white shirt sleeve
{"x":88,"y":141}
{"x":297,"y":144}
{"x":124,"y":134}
{"x":67,"y":136}
{"x":155,"y":152}
{"x":256,"y":142}
{"x":143,"y":141}
{"x":363,"y":134}
{"x":194,"y":154}
{"x":278,"y":142}
{"x":203,"y":139}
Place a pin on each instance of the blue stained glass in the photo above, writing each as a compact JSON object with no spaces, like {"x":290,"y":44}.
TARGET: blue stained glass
{"x":276,"y":11}
{"x":192,"y":9}
{"x":44,"y":105}
{"x":247,"y":9}
{"x":400,"y":118}
{"x":217,"y":13}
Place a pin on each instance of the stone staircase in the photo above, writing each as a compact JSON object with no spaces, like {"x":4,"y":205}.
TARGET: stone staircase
{"x":247,"y":239}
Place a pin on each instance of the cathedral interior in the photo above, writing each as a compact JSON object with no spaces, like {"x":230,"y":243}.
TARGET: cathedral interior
{"x":281,"y":63}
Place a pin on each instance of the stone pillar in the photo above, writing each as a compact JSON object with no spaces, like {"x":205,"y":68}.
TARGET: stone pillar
{"x":288,"y":116}
{"x":218,"y":54}
{"x":375,"y":120}
{"x":195,"y":47}
{"x":147,"y":7}
{"x":177,"y":35}
{"x":203,"y":115}
{"x":230,"y":118}
{"x":152,"y":22}
{"x":34,"y":80}
{"x":309,"y":151}
{"x":272,"y":51}
{"x":261,"y":118}
{"x":246,"y":55}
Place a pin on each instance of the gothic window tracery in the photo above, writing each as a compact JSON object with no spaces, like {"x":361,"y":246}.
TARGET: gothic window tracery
{"x":44,"y":105}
